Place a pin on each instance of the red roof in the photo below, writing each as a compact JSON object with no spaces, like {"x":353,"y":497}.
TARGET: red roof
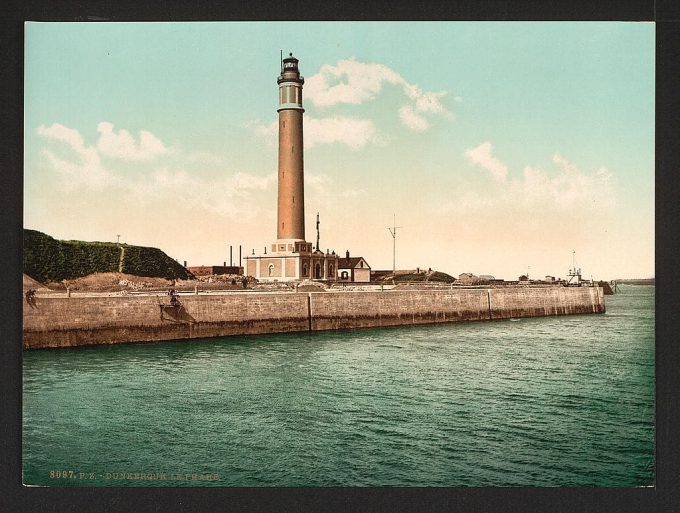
{"x":351,"y":263}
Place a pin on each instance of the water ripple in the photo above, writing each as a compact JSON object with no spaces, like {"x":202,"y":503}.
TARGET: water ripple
{"x":558,"y":401}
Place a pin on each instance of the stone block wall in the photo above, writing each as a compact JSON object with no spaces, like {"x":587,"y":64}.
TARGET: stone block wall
{"x":83,"y":320}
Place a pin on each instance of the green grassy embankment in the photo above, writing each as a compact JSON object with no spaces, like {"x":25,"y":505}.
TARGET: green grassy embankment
{"x":47,"y":259}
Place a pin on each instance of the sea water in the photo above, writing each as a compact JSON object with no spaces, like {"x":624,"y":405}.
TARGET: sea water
{"x":554,"y":401}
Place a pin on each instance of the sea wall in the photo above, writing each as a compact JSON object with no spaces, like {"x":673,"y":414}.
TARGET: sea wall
{"x":85,"y":320}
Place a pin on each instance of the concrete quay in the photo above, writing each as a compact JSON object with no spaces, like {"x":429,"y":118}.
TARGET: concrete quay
{"x":56,"y":320}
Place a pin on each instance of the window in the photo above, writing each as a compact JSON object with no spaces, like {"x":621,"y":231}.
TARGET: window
{"x":344,"y":275}
{"x":270,"y":269}
{"x":305,"y":270}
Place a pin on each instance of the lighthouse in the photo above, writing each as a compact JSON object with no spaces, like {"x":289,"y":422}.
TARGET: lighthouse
{"x":291,"y":195}
{"x":291,"y":257}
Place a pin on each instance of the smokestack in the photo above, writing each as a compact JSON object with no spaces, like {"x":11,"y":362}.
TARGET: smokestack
{"x":239,"y":255}
{"x":231,"y":262}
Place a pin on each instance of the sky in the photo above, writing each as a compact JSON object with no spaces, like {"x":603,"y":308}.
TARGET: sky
{"x":499,"y":148}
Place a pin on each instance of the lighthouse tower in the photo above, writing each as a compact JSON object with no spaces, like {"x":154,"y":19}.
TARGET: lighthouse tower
{"x":291,"y":197}
{"x":291,"y":257}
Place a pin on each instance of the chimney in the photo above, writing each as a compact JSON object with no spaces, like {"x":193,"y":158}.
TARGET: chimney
{"x":185,"y":263}
{"x":347,"y":254}
{"x":224,"y":264}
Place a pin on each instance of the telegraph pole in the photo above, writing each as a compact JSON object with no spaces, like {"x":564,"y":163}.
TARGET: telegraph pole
{"x":393,"y":232}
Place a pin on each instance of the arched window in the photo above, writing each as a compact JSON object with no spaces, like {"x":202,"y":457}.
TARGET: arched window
{"x":330,"y":269}
{"x":270,"y":269}
{"x":305,"y":270}
{"x":344,"y":275}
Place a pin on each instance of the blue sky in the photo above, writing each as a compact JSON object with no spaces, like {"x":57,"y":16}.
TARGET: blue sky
{"x":501,"y":147}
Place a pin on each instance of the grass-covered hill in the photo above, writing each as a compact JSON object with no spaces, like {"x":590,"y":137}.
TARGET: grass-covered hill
{"x":412,"y":276}
{"x":48,"y":259}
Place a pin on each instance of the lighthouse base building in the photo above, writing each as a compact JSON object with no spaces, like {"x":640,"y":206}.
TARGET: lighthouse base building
{"x":291,"y":261}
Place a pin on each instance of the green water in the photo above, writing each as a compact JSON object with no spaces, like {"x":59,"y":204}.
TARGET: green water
{"x":559,"y":401}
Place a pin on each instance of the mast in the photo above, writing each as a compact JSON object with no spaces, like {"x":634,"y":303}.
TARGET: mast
{"x":317,"y":230}
{"x":393,"y":232}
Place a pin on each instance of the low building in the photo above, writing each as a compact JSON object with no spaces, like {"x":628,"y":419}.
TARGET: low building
{"x":207,"y":270}
{"x":294,"y":261}
{"x":468,"y":279}
{"x":353,"y":269}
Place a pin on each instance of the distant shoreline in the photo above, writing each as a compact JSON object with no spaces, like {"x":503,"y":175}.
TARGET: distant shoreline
{"x":636,"y":281}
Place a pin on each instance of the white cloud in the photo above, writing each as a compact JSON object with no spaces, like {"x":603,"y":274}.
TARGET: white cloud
{"x":269,"y":130}
{"x":481,"y":155}
{"x":241,"y":183}
{"x":350,"y":81}
{"x":353,"y":82}
{"x":353,"y":132}
{"x":425,"y":101}
{"x":354,"y":193}
{"x":59,"y":132}
{"x":123,"y":146}
{"x":87,"y":168}
{"x":228,"y":196}
{"x":231,"y":196}
{"x":570,"y":187}
{"x":319,"y":185}
{"x":412,"y":120}
{"x":203,"y":157}
{"x":565,"y":190}
{"x":325,"y":189}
